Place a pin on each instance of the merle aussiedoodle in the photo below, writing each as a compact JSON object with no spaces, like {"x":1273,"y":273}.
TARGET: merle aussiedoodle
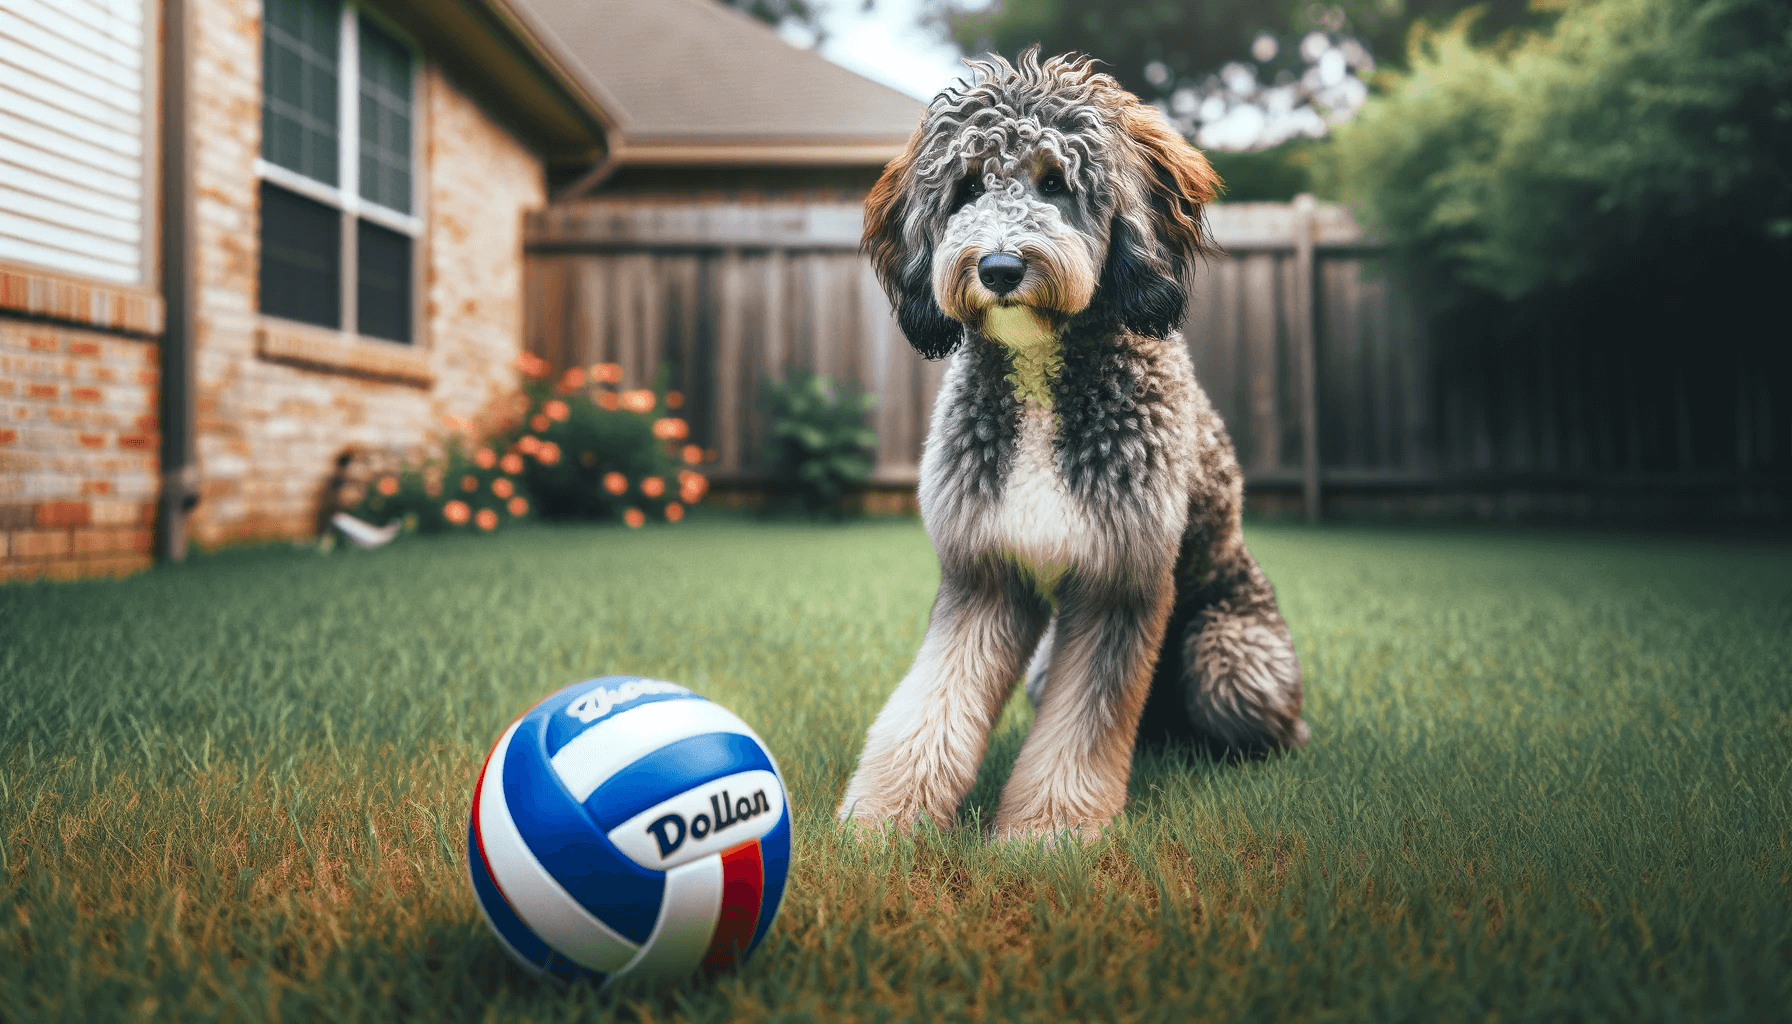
{"x":1081,"y":493}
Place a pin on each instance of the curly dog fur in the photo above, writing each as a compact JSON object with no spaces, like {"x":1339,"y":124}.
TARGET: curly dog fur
{"x":1081,"y":493}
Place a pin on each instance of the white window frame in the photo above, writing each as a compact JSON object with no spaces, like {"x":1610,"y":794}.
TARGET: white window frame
{"x":346,"y":196}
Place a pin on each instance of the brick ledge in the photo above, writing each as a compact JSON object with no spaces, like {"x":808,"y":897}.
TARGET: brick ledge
{"x":316,"y":348}
{"x":42,"y":293}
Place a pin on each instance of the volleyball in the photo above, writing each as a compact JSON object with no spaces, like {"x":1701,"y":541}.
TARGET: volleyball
{"x":628,"y":826}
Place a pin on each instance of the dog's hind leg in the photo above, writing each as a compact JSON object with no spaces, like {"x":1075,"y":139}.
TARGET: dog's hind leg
{"x":1228,"y":677}
{"x":922,"y":753}
{"x":1073,"y":769}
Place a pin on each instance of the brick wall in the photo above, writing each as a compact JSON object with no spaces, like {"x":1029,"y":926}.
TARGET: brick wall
{"x":276,"y":402}
{"x":78,"y":451}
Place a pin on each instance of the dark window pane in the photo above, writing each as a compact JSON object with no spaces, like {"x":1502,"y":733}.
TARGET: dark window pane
{"x":298,"y":86}
{"x":383,"y":293}
{"x":301,"y":258}
{"x":385,"y":119}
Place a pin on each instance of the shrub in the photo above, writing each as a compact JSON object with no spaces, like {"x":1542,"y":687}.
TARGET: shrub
{"x":570,"y":448}
{"x":476,"y":491}
{"x":590,"y":451}
{"x":820,"y":446}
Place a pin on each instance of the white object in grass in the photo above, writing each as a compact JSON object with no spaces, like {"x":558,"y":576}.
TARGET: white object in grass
{"x":364,"y":534}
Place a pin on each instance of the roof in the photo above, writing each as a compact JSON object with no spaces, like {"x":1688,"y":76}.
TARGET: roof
{"x":515,"y":70}
{"x":693,"y":82}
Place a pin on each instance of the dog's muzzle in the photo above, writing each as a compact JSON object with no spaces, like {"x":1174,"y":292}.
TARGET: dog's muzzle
{"x":1001,"y":272}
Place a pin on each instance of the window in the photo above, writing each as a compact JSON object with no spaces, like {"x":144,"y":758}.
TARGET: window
{"x":338,"y":227}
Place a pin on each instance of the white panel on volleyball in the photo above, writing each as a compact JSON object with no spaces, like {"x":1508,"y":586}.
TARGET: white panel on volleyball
{"x":687,"y":921}
{"x":543,"y":904}
{"x":606,"y":748}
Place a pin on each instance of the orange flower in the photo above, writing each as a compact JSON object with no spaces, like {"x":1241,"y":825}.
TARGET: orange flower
{"x":469,"y":483}
{"x":485,"y":458}
{"x":692,"y":454}
{"x":674,"y":512}
{"x":512,"y":463}
{"x":638,"y":401}
{"x":635,"y":518}
{"x":528,"y":444}
{"x":692,"y":486}
{"x":556,"y":409}
{"x":607,"y":400}
{"x":487,"y":519}
{"x":454,"y":423}
{"x":433,"y":487}
{"x":615,"y":483}
{"x":572,"y":379}
{"x":539,"y":423}
{"x":710,"y":455}
{"x":502,"y":487}
{"x":653,"y":486}
{"x":674,"y":399}
{"x":456,"y":512}
{"x":588,"y":459}
{"x":671,"y":429}
{"x":606,"y":373}
{"x":388,"y":485}
{"x":548,"y":453}
{"x":519,"y":506}
{"x":532,"y":365}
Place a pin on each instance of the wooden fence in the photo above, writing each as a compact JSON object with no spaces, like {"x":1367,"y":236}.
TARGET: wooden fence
{"x":1304,"y":336}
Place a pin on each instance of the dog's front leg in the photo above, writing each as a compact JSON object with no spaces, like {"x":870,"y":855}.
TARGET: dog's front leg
{"x":922,"y":752}
{"x":1073,"y":769}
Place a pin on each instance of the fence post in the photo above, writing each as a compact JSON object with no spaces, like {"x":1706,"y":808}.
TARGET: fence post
{"x":1305,"y":344}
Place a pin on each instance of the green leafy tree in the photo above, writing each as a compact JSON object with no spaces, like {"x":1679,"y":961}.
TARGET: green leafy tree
{"x":1194,"y":40}
{"x":1645,"y":140}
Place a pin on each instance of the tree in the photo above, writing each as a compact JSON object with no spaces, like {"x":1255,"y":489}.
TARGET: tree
{"x":1632,"y":135}
{"x":1194,"y":40}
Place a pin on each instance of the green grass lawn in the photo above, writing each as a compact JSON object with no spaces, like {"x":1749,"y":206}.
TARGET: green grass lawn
{"x":1550,"y":779}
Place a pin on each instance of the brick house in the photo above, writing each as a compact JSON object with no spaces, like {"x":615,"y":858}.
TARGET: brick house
{"x":235,"y":246}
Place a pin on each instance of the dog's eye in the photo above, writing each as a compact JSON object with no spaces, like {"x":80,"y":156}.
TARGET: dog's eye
{"x":969,"y":189}
{"x":1052,"y":183}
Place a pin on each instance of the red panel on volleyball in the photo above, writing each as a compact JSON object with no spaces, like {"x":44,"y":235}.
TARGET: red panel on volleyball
{"x":743,"y":888}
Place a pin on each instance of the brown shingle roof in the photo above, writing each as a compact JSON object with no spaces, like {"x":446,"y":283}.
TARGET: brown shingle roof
{"x":689,"y":81}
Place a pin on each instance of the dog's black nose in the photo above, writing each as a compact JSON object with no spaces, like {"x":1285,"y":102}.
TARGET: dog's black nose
{"x":1001,"y":272}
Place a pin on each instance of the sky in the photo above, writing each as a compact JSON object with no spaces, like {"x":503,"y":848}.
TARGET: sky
{"x":888,"y":44}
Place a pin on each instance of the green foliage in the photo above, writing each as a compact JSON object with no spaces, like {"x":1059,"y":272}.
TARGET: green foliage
{"x":452,"y":492}
{"x":1274,"y":175}
{"x":1631,"y":134}
{"x":820,"y":446}
{"x":562,"y":449}
{"x":1548,"y":782}
{"x":1196,"y":39}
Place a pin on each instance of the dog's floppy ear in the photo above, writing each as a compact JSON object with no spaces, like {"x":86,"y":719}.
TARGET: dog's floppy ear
{"x":905,"y":273}
{"x":1145,"y":276}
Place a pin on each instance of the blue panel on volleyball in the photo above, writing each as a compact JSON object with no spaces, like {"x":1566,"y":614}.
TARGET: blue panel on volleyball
{"x":573,"y":849}
{"x":603,"y":698}
{"x":692,"y":762}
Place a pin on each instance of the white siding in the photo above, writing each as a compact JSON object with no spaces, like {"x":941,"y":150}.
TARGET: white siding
{"x":72,"y":136}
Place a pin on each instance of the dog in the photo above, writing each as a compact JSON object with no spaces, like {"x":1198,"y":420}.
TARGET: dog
{"x":1082,"y":496}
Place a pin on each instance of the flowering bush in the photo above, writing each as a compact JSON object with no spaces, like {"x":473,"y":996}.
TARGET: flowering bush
{"x":592,"y":451}
{"x":574,"y":447}
{"x":475,"y":491}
